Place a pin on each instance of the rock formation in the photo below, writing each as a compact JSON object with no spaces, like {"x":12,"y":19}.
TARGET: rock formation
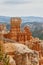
{"x":21,"y":53}
{"x":16,"y":33}
{"x":21,"y":46}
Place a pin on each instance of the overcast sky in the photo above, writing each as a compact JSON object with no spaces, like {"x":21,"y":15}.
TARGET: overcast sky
{"x":21,"y":8}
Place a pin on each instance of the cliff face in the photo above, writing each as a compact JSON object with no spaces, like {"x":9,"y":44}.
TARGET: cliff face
{"x":24,"y":38}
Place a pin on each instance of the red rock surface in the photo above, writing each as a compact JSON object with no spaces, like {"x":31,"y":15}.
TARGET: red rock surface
{"x":24,"y":37}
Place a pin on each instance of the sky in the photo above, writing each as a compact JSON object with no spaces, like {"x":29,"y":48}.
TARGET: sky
{"x":15,"y":8}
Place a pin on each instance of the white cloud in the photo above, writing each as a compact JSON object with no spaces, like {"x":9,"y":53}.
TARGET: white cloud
{"x":32,"y":8}
{"x":15,"y":1}
{"x":21,"y":1}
